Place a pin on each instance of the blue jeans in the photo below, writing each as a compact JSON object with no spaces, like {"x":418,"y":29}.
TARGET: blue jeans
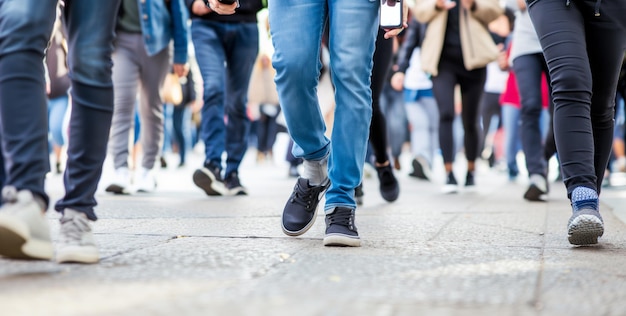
{"x":225,"y":87}
{"x":27,"y":26}
{"x":90,"y":26}
{"x":24,"y":35}
{"x":512,"y":140}
{"x":56,"y":113}
{"x":296,"y":29}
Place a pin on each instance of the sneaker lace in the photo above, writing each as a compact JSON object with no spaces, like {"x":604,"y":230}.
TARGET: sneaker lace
{"x":341,"y":217}
{"x":303,"y":196}
{"x":74,"y":227}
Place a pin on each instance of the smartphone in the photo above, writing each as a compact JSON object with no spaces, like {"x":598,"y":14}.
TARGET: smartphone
{"x":229,"y":2}
{"x":391,"y":14}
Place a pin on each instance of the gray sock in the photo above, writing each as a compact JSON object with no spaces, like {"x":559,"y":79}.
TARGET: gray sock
{"x":316,"y":171}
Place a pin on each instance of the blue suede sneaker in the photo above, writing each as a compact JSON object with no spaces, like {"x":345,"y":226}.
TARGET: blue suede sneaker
{"x":586,"y":224}
{"x":301,"y":208}
{"x":340,"y":228}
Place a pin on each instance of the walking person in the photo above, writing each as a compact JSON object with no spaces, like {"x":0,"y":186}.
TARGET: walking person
{"x":583,"y":42}
{"x":141,"y":60}
{"x":332,"y":167}
{"x":529,"y":64}
{"x":226,"y":48}
{"x":456,"y":49}
{"x":26,"y":28}
{"x":387,"y":183}
{"x":420,"y":104}
{"x":24,"y":33}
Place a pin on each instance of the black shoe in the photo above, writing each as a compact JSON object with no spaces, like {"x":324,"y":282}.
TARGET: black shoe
{"x":210,"y":180}
{"x":469,"y":179}
{"x":451,"y":185}
{"x":389,"y":188}
{"x":57,"y":168}
{"x":358,"y":194}
{"x":340,"y":228}
{"x":163,"y":162}
{"x":537,"y":189}
{"x":301,"y":208}
{"x":421,"y":170}
{"x":233,"y":185}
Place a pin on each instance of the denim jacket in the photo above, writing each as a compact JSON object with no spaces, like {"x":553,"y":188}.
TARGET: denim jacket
{"x":160,"y":24}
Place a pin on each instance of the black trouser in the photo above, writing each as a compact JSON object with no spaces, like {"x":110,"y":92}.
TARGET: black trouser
{"x":378,"y":127}
{"x":472,"y":82}
{"x":584,"y":52}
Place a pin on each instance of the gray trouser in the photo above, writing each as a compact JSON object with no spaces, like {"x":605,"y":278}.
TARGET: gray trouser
{"x":423,"y":115}
{"x":133,"y":69}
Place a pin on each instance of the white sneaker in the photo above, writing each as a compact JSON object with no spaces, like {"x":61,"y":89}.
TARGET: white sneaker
{"x":121,"y":182}
{"x":146,"y":182}
{"x":76,"y":242}
{"x":24,"y":231}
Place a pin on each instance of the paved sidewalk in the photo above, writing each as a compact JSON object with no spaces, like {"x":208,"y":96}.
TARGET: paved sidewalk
{"x":179,"y":252}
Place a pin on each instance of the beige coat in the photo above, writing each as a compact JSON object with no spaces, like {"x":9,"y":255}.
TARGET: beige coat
{"x":476,"y":42}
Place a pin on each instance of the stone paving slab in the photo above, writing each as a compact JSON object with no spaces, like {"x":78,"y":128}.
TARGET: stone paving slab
{"x":177,"y":251}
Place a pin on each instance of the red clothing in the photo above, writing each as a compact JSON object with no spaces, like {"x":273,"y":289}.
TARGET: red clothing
{"x":510,"y":95}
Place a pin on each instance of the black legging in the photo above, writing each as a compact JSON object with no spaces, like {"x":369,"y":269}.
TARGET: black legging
{"x":451,"y":72}
{"x":584,"y":51}
{"x":378,"y":127}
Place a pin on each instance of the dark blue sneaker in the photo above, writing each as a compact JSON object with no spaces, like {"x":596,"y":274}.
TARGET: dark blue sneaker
{"x":233,"y":184}
{"x":586,"y":224}
{"x":301,"y":208}
{"x":340,"y":228}
{"x":210,"y":180}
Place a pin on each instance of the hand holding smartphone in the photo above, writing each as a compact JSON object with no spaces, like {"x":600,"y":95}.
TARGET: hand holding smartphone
{"x":391,"y":14}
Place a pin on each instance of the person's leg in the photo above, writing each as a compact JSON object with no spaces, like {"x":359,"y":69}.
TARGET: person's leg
{"x":351,"y":44}
{"x":24,"y":33}
{"x":178,"y":126}
{"x":472,"y":86}
{"x":262,"y":133}
{"x":528,"y":70}
{"x":154,"y":69}
{"x":90,"y":28}
{"x":207,"y":40}
{"x":397,"y":129}
{"x":424,"y":119}
{"x":511,"y":125}
{"x":490,"y":114}
{"x":378,"y":128}
{"x":583,"y":52}
{"x":241,"y":53}
{"x":56,"y":113}
{"x":298,"y":67}
{"x":125,"y":76}
{"x":383,"y":54}
{"x":443,"y":89}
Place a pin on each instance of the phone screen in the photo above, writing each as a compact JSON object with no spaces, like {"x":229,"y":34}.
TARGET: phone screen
{"x":391,"y":13}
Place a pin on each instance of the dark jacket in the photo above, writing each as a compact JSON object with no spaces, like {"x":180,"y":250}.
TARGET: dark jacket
{"x":245,"y":13}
